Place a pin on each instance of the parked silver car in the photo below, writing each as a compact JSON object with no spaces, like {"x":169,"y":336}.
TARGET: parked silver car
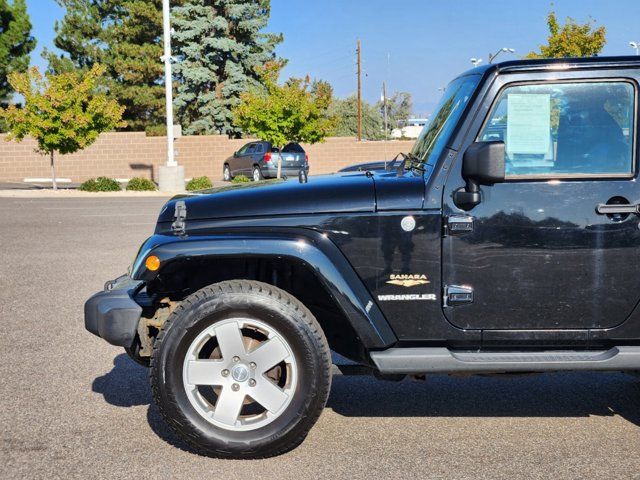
{"x":259,"y":160}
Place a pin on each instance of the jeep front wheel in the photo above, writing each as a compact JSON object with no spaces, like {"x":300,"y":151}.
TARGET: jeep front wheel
{"x":241,"y":369}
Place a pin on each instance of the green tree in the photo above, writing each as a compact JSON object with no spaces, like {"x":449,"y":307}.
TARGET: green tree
{"x":399,"y":108}
{"x":126,"y":37}
{"x":294,"y":112}
{"x":64,"y":113}
{"x":346,"y":110}
{"x":571,"y":39}
{"x":79,"y":35}
{"x":16,"y":43}
{"x":219,"y":45}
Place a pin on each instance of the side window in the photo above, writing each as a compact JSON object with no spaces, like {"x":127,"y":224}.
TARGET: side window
{"x":565,"y":129}
{"x":243,"y":150}
{"x":251,"y":149}
{"x":259,"y":148}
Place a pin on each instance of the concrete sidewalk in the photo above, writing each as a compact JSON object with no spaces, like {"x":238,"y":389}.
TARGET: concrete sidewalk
{"x":70,"y":190}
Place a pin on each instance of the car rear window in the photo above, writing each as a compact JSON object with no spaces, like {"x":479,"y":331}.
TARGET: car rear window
{"x":293,"y":148}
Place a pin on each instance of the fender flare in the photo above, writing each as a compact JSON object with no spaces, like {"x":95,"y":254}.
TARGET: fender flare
{"x":312,"y":249}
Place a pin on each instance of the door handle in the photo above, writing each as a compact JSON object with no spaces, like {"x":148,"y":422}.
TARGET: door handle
{"x":609,"y":209}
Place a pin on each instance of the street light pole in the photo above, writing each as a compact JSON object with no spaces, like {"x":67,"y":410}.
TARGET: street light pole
{"x":168,"y":81}
{"x":635,"y":45}
{"x":492,"y":56}
{"x":170,"y":175}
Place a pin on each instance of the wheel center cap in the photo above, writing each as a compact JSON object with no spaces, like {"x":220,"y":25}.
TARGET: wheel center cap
{"x":240,"y":373}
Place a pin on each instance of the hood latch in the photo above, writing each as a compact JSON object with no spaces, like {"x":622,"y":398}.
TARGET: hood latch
{"x":179,"y":226}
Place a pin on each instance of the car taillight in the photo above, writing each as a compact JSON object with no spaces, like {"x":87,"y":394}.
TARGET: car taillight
{"x":306,"y":157}
{"x":267,"y":157}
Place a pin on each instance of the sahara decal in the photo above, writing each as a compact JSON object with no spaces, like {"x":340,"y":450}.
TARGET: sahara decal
{"x":408,"y":280}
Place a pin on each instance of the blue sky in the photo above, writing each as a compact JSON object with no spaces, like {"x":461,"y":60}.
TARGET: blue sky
{"x":415,"y":46}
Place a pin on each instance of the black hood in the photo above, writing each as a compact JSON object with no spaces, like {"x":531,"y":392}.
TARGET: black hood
{"x":338,"y":193}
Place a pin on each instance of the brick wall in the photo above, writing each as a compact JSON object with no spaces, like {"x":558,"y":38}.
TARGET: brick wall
{"x":132,"y":154}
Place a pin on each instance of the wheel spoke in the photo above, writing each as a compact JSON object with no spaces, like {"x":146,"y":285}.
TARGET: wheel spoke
{"x":228,"y":406}
{"x":269,"y":395}
{"x":230,"y":340}
{"x":269,"y":354}
{"x":204,"y":372}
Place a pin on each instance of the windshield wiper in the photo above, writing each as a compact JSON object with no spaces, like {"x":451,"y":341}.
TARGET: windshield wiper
{"x":408,"y":161}
{"x":413,"y":163}
{"x":389,"y":166}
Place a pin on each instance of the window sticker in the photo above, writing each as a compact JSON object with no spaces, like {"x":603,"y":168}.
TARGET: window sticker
{"x":528,"y":124}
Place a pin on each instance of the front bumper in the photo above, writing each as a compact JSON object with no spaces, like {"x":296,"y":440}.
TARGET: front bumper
{"x":113,"y":314}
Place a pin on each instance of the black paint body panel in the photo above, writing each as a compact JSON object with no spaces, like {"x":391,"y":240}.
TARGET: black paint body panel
{"x":546,"y":270}
{"x":338,"y":193}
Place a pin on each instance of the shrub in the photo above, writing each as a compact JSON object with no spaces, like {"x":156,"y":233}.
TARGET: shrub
{"x":156,"y":130}
{"x":100,"y":184}
{"x":240,"y":179}
{"x":139,"y":184}
{"x":199,"y":183}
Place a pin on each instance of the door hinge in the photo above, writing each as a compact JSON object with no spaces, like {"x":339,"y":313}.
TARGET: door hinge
{"x":458,"y":225}
{"x":457,"y":295}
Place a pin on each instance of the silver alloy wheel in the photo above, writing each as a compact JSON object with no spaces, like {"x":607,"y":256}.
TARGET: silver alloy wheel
{"x":226,"y":174}
{"x":256,"y":174}
{"x":255,"y":368}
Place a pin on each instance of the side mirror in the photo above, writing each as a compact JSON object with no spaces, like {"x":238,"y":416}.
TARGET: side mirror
{"x":482,"y":164}
{"x":235,"y":154}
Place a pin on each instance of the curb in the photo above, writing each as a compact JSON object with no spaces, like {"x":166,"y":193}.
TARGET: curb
{"x":48,"y":193}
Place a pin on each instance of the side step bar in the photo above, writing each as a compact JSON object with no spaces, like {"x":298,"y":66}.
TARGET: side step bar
{"x":443,"y":360}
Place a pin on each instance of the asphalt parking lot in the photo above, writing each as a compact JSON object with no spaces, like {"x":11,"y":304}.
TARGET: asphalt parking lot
{"x":72,"y":406}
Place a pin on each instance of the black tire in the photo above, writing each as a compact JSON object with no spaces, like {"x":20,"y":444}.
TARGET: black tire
{"x":267,"y":304}
{"x":226,"y":173}
{"x":256,"y":174}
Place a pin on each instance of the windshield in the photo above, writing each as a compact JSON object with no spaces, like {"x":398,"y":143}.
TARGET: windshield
{"x":436,"y":133}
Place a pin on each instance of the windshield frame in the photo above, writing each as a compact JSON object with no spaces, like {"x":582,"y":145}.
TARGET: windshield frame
{"x":462,"y":88}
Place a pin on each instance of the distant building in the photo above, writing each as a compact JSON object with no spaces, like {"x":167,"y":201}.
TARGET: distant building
{"x":410,"y":128}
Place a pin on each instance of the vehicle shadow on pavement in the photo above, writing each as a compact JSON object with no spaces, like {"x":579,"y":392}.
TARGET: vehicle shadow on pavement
{"x":546,"y":395}
{"x":127,"y":385}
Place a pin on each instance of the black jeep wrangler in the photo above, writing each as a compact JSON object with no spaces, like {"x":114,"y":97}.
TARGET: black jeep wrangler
{"x":506,"y":241}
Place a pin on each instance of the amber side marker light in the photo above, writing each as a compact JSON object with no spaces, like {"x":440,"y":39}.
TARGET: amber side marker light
{"x":152,"y":263}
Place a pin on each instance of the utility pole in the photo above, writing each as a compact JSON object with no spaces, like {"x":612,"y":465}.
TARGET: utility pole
{"x":384,"y":108}
{"x":170,"y":175}
{"x":358,"y":53}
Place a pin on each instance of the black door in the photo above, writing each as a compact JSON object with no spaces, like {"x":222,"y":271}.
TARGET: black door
{"x":540,"y":256}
